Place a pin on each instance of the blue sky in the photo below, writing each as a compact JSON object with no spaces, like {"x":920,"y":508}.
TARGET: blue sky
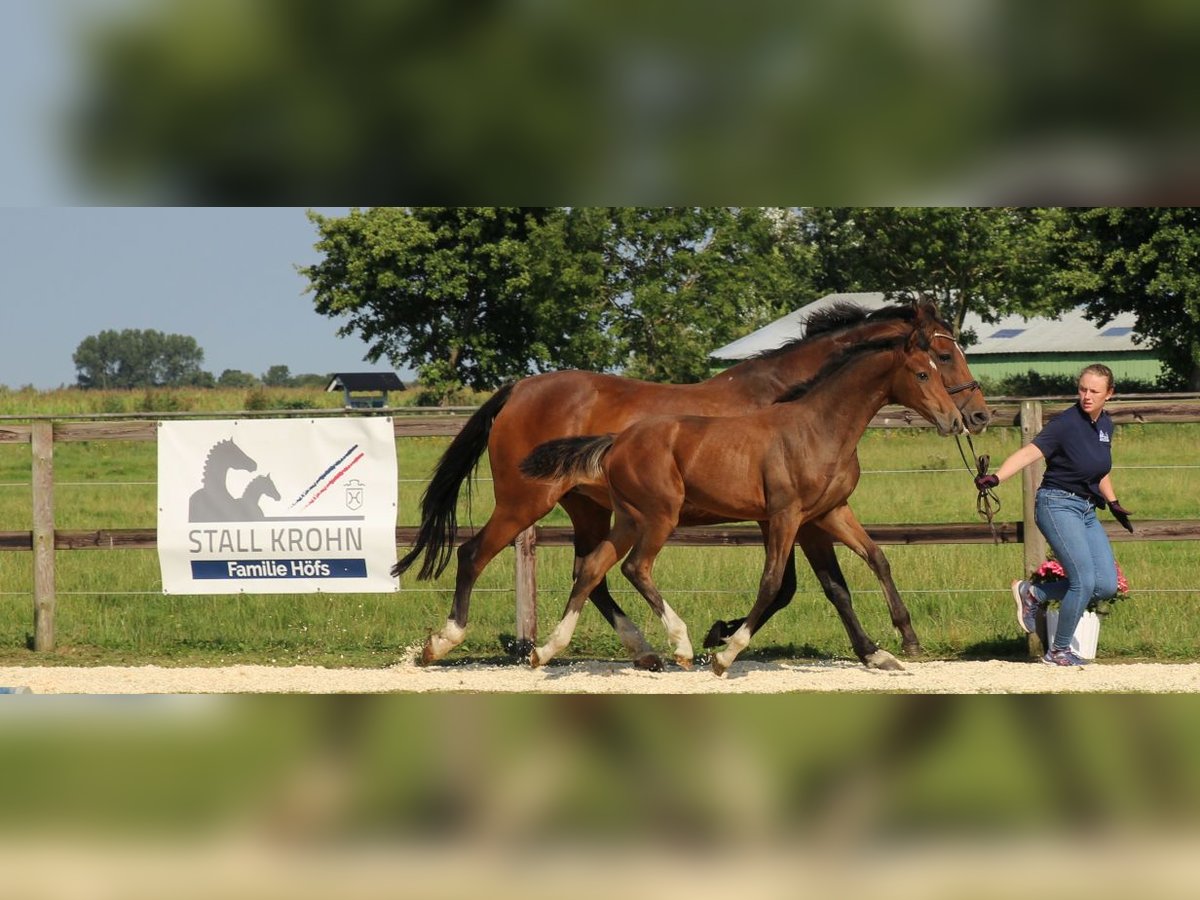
{"x":226,"y":277}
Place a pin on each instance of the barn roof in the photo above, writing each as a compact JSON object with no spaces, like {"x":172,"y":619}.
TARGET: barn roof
{"x":365,"y":381}
{"x":1012,"y":334}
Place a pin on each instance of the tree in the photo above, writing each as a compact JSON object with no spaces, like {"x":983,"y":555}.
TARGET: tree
{"x":277,"y":376}
{"x":1140,"y":260}
{"x":471,"y":297}
{"x":139,"y":358}
{"x":236,"y":378}
{"x":984,"y":260}
{"x":694,"y":278}
{"x":468,"y":296}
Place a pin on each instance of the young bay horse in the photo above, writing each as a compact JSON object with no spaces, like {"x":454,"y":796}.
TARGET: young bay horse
{"x":520,"y":416}
{"x":791,"y":463}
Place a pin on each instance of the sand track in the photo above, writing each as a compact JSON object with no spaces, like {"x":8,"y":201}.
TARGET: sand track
{"x":615,"y":677}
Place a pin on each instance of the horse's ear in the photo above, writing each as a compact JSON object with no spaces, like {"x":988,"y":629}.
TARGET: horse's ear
{"x":918,"y":338}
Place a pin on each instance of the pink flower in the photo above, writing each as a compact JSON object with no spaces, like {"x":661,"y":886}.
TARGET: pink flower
{"x":1050,"y":570}
{"x":1122,"y":581}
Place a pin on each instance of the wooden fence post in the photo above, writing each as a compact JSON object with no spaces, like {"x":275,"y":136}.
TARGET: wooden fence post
{"x":526,"y":577}
{"x":1034,"y":542}
{"x":42,"y":441}
{"x":1031,"y":477}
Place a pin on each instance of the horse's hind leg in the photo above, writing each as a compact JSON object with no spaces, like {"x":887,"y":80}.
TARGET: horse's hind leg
{"x":594,"y":566}
{"x":473,"y":556}
{"x":590,"y":521}
{"x":637,"y":568}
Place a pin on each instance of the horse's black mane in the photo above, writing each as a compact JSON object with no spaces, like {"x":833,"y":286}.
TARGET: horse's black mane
{"x":840,"y":316}
{"x":836,"y":363}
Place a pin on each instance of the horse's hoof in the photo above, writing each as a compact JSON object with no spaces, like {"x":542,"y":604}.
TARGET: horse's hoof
{"x":427,"y":654}
{"x":649,"y":662}
{"x":520,"y":649}
{"x":719,"y":668}
{"x":684,"y":662}
{"x":534,"y":660}
{"x":716,"y":635}
{"x":912,"y":650}
{"x":883,"y":660}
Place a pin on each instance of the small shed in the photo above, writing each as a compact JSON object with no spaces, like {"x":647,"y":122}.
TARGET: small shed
{"x":365,"y":390}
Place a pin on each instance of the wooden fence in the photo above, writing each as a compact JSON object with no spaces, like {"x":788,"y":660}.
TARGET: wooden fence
{"x":1028,"y":415}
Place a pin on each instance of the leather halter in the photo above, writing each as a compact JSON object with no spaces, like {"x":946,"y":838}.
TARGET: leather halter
{"x":966,"y":385}
{"x":985,"y":499}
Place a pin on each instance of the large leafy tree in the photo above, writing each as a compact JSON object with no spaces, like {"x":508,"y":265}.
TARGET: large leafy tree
{"x":468,"y":296}
{"x":698,"y":277}
{"x":987,"y":260}
{"x":1142,"y":260}
{"x":471,"y":297}
{"x":134,"y":358}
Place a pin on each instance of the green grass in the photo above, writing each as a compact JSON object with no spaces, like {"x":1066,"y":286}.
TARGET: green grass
{"x":110,"y":608}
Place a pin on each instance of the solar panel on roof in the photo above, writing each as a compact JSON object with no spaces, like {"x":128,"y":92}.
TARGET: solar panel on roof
{"x":1007,"y":332}
{"x":1116,"y":331}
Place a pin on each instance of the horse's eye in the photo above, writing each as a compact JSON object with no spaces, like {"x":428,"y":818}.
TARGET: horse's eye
{"x":922,"y":376}
{"x":944,"y":357}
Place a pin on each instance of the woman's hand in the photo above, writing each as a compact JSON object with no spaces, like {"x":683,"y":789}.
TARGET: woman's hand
{"x":1121,"y":514}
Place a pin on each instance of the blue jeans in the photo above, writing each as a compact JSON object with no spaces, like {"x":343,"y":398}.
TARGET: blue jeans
{"x":1080,"y":544}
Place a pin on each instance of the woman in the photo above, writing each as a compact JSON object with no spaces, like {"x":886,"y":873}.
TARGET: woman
{"x":1077,"y":447}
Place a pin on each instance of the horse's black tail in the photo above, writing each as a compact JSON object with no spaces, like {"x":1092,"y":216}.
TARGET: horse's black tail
{"x":439,"y":503}
{"x":577,"y":459}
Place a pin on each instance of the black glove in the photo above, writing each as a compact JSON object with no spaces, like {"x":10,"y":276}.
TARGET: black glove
{"x":986,"y":482}
{"x":1121,"y":514}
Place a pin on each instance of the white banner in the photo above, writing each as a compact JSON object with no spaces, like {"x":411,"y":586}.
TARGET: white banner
{"x":277,"y":506}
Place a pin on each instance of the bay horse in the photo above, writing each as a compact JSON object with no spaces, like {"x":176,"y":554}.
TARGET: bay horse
{"x":521,"y":415}
{"x":791,"y":463}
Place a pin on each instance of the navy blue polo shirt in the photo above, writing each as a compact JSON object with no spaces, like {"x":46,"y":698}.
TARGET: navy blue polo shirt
{"x":1078,"y":452}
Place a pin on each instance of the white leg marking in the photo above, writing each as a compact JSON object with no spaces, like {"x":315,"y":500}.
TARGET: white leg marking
{"x":559,"y":638}
{"x":881,"y":659}
{"x":446,"y":640}
{"x":677,"y":633}
{"x":735,"y":645}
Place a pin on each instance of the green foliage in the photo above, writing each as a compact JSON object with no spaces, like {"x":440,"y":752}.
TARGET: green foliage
{"x":472,"y":297}
{"x":969,"y":259}
{"x":135,"y":358}
{"x":1035,"y":384}
{"x":1142,"y":260}
{"x":694,"y":278}
{"x":236,"y":378}
{"x":277,"y":376}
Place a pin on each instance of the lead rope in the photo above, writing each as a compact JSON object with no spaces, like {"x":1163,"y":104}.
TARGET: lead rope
{"x":986,"y":496}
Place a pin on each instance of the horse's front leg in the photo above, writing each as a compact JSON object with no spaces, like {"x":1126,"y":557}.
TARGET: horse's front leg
{"x":723,"y":629}
{"x":841,"y":524}
{"x":819,"y":550}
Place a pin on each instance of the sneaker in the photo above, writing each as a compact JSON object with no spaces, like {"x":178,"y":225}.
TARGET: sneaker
{"x":1027,"y":606}
{"x":1062,"y":658}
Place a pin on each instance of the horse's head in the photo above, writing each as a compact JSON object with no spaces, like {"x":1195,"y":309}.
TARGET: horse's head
{"x":266,"y":487}
{"x":952,"y":365}
{"x":917,"y":384}
{"x":232,"y":456}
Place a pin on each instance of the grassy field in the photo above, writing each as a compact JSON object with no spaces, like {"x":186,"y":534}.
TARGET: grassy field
{"x":110,"y":608}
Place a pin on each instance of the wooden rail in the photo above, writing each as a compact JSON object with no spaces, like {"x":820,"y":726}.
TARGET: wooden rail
{"x":43,"y":432}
